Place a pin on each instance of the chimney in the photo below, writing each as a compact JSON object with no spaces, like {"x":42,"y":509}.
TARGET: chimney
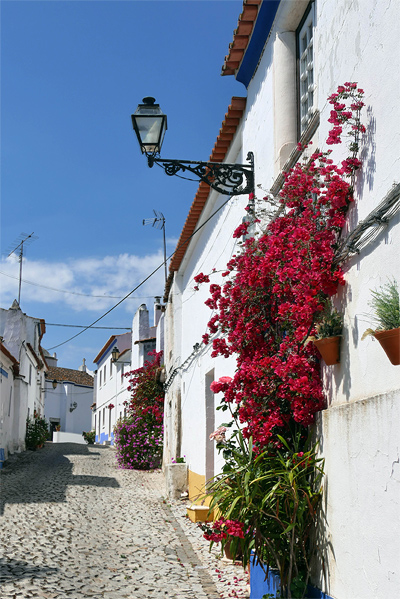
{"x":157,"y":309}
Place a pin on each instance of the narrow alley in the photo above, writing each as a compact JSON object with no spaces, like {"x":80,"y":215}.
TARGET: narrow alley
{"x":73,"y":525}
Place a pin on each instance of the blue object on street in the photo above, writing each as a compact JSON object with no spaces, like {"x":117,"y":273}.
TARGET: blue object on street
{"x":260,"y":586}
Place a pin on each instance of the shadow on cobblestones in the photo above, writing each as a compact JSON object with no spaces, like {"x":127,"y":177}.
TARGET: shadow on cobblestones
{"x":43,"y":476}
{"x":13,"y":570}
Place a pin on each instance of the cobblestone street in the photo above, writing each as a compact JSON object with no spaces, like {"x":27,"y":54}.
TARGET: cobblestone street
{"x":72,"y":525}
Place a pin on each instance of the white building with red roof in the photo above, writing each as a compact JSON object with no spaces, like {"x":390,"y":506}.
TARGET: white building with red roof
{"x":290,"y":56}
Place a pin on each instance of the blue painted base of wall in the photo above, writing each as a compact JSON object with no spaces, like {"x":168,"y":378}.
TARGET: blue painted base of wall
{"x":103,"y":438}
{"x":259,"y":586}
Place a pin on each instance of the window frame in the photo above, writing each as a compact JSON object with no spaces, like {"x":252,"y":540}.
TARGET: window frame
{"x":310,"y":11}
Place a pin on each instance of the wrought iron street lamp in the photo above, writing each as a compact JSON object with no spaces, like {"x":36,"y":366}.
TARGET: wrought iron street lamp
{"x":150,"y":125}
{"x":115,"y":354}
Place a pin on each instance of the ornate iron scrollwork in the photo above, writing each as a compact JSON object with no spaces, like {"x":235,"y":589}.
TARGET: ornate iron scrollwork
{"x":227,"y":179}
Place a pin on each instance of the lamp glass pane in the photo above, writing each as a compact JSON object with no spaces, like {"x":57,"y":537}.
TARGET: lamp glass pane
{"x":149,"y":128}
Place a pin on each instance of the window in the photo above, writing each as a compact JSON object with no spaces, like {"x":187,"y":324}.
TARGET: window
{"x":100,"y":378}
{"x":105,"y":372}
{"x":305,"y":51}
{"x":110,"y":368}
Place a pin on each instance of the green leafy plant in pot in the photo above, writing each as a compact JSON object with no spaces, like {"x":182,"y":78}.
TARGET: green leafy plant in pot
{"x":328,"y":334}
{"x":267,"y":502}
{"x":385,"y":303}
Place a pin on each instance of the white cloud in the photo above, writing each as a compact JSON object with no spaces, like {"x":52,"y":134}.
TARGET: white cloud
{"x":108,"y":276}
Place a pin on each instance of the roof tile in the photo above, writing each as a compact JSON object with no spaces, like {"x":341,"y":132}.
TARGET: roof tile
{"x":241,"y":36}
{"x":68,"y":375}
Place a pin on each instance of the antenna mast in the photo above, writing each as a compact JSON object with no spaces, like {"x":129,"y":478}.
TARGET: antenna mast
{"x":32,"y":237}
{"x":159,"y":223}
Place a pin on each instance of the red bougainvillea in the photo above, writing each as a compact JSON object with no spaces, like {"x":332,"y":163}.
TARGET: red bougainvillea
{"x":277,"y":287}
{"x":147,"y":393}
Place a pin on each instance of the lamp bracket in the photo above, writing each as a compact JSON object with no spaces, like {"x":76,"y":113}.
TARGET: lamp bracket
{"x":227,"y":179}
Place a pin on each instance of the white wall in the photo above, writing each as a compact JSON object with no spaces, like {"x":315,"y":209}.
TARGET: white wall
{"x":19,"y":330}
{"x":112,"y":391}
{"x":7,"y":405}
{"x":187,"y":319}
{"x":360,"y":430}
{"x":112,"y":388}
{"x":59,"y":401}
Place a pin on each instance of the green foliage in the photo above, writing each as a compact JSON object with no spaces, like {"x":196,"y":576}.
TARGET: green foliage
{"x":275,"y":495}
{"x":330,"y":323}
{"x":385,"y":303}
{"x":37,"y":431}
{"x":89,"y":437}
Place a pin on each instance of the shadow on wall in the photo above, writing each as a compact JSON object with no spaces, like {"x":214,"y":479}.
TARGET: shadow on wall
{"x":368,"y":152}
{"x":44,"y":475}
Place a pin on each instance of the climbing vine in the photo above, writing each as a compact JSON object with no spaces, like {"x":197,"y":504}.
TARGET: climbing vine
{"x":278,"y":285}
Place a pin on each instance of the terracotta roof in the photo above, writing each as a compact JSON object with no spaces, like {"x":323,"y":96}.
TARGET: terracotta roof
{"x":221,"y":147}
{"x":68,"y":375}
{"x":107,"y":345}
{"x":241,"y":36}
{"x":5,"y":351}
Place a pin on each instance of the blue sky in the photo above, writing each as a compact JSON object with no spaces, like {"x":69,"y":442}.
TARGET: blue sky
{"x":72,"y":173}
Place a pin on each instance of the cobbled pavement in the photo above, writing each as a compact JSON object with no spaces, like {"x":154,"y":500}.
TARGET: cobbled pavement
{"x":73,"y":525}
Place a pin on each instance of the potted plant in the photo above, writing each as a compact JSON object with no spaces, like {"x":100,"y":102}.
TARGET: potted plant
{"x":89,"y":437}
{"x":328,"y":334}
{"x":385,"y":303}
{"x":267,"y":505}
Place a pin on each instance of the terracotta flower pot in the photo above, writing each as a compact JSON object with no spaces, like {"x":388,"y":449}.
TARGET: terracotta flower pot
{"x":390,"y":341}
{"x":228,"y":552}
{"x":329,"y":348}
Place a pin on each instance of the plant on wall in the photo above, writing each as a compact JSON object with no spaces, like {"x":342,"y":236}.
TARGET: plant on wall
{"x":278,"y":285}
{"x":138,"y":437}
{"x":276,"y":291}
{"x":386,"y":306}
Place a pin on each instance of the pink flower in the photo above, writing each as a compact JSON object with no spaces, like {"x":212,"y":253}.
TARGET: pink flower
{"x":218,"y":435}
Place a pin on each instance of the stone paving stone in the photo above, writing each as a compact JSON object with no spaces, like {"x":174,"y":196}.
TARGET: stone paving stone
{"x":74,"y":526}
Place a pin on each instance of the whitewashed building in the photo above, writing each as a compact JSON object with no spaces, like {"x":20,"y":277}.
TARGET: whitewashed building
{"x":111,"y":384}
{"x":68,"y":401}
{"x":22,"y":375}
{"x":290,"y":56}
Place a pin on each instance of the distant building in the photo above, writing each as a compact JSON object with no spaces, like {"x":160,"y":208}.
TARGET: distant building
{"x":22,"y":371}
{"x":68,"y":398}
{"x":111,"y":384}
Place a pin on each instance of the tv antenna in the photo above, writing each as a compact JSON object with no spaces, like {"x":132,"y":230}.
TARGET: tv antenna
{"x":23,"y":239}
{"x":158,"y":222}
